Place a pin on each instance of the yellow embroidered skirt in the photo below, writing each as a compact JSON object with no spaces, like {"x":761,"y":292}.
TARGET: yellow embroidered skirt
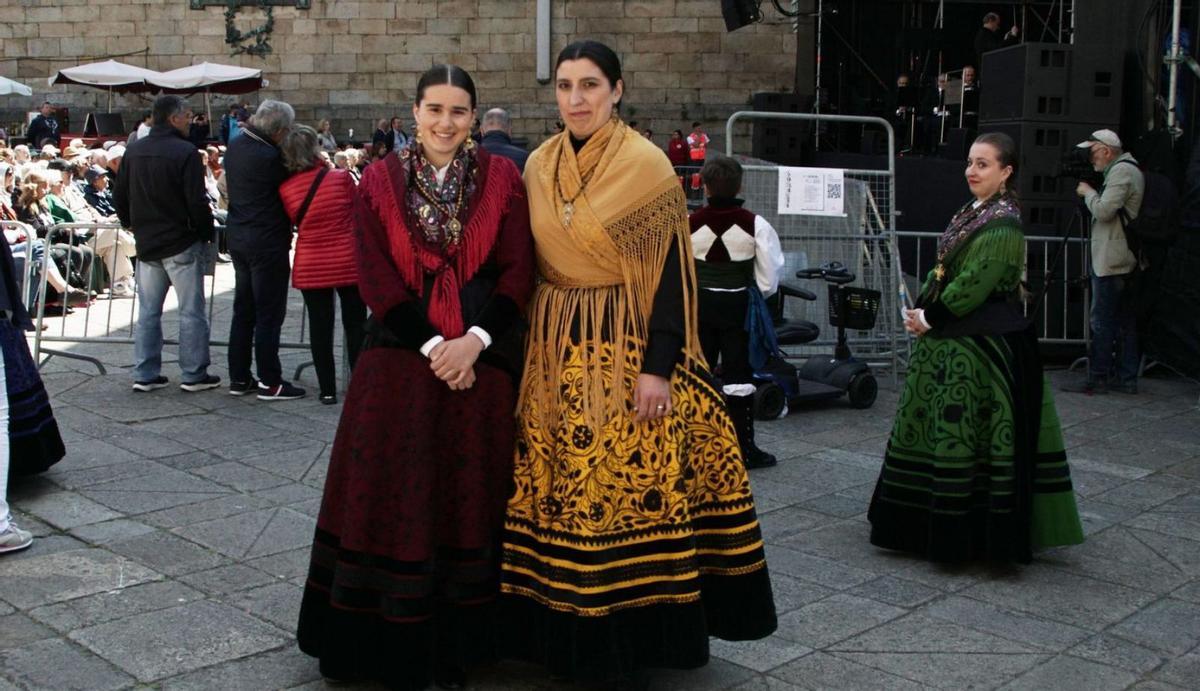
{"x":629,"y":545}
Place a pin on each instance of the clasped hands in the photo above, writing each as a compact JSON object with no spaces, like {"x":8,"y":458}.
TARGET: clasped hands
{"x":453,"y":361}
{"x":913,"y":323}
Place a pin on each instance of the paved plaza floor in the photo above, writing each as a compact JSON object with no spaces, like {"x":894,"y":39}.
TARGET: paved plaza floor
{"x":173,"y":540}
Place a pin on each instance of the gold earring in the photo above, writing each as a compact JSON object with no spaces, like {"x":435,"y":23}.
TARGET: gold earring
{"x":417,"y":134}
{"x":469,"y":144}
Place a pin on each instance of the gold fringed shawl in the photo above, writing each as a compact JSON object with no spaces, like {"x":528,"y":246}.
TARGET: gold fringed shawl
{"x":601,"y":270}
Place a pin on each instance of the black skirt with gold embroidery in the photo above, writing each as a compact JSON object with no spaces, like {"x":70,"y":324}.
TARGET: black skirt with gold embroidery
{"x":628,"y":546}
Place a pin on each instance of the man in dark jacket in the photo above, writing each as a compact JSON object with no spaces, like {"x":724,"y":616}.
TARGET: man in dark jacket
{"x":160,"y":195}
{"x":96,"y":191}
{"x":260,"y":237}
{"x":497,"y":137}
{"x":989,"y":38}
{"x":44,"y":128}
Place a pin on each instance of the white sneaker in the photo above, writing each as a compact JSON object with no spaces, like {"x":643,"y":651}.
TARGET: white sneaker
{"x":14,"y":539}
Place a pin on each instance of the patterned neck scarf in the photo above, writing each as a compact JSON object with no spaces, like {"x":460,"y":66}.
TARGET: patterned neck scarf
{"x":438,"y":210}
{"x":971,"y":218}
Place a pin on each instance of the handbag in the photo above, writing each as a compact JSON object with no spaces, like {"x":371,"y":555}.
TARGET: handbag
{"x":312,"y":192}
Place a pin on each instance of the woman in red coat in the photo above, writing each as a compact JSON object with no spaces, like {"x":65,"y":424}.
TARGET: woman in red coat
{"x":677,"y":150}
{"x":405,"y":560}
{"x":326,"y":262}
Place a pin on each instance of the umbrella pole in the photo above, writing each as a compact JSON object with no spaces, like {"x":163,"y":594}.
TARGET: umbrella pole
{"x":208,"y":106}
{"x":109,"y":99}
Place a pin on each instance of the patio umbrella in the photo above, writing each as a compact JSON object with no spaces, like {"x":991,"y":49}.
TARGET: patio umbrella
{"x":8,"y":87}
{"x":210,"y":77}
{"x":109,"y":74}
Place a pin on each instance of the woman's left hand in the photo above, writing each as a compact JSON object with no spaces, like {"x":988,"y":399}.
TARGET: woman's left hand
{"x":449,"y":360}
{"x":652,"y":397}
{"x":913,"y":323}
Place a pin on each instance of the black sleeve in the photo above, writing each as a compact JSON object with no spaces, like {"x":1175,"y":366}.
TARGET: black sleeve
{"x":196,"y":196}
{"x":666,"y":320}
{"x":120,"y":195}
{"x":409,"y":325}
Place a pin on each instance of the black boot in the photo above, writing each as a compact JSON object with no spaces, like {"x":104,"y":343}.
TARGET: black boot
{"x":741,"y":409}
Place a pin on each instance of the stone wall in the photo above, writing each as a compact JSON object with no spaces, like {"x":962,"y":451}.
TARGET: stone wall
{"x":357,"y":60}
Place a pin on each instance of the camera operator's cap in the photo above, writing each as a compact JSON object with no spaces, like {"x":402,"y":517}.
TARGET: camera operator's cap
{"x":1105,"y":137}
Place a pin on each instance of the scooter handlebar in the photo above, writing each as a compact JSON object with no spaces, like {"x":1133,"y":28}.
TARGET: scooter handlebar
{"x":833,"y":272}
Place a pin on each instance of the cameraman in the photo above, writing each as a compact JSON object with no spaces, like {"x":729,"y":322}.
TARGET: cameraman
{"x":1113,"y":322}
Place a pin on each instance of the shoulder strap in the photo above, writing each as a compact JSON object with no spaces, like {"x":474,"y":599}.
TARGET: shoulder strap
{"x":312,"y":192}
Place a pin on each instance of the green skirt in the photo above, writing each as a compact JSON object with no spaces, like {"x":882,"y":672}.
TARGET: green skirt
{"x":975,"y":466}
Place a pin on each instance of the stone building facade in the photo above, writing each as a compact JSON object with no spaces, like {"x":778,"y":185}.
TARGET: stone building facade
{"x":354,"y":61}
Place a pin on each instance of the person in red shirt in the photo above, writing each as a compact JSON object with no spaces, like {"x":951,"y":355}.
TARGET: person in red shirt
{"x":325,"y":262}
{"x":677,"y":149}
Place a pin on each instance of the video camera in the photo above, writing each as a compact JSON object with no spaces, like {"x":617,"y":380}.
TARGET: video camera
{"x":1076,"y":164}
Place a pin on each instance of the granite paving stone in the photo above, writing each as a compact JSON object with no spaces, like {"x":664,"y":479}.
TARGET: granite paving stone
{"x":239,"y":477}
{"x":947,"y":670}
{"x":108,"y":531}
{"x":1182,"y":671}
{"x":921,"y":633}
{"x":1172,"y":626}
{"x":718,"y":674}
{"x":172,"y":641}
{"x":833,"y":619}
{"x":825,"y":672}
{"x":284,"y":667}
{"x":254,"y":534}
{"x":58,"y":664}
{"x":760,"y":656}
{"x":228,"y":579}
{"x":17,"y":630}
{"x":896,"y":591}
{"x":277,"y":603}
{"x":1020,"y":627}
{"x":57,"y":576}
{"x":808,"y":567}
{"x":1064,"y":597}
{"x":67,"y":510}
{"x":167,"y":553}
{"x":114,"y":604}
{"x":1065,"y":671}
{"x":189,"y":514}
{"x":1110,"y":650}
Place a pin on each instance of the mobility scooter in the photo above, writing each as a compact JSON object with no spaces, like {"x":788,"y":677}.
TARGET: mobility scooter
{"x":822,"y":377}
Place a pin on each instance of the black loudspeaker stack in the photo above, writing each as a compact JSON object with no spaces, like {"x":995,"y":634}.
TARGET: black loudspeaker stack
{"x":1049,"y":97}
{"x":780,"y":141}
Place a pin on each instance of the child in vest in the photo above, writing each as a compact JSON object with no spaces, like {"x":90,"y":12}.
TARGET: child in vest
{"x":736,"y":251}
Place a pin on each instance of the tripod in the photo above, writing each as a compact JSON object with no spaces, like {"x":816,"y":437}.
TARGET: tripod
{"x":1076,"y":224}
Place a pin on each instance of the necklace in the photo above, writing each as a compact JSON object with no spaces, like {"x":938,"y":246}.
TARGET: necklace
{"x":453,"y":226}
{"x":568,"y":209}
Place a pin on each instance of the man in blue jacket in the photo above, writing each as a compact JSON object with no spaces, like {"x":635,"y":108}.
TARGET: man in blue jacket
{"x":160,"y":195}
{"x":260,"y":237}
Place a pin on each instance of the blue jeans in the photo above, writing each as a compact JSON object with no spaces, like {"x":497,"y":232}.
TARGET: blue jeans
{"x":1114,"y":331}
{"x":184,"y":271}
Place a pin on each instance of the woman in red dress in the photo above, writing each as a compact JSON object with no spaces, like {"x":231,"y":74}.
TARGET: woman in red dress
{"x":405,"y":564}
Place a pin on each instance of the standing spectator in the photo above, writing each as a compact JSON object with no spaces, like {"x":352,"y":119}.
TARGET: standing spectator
{"x":496,"y":129}
{"x":677,"y":149}
{"x":1113,"y":322}
{"x":44,"y":128}
{"x":29,"y":437}
{"x":989,"y":38}
{"x":648,"y":134}
{"x":320,"y":204}
{"x":113,"y":163}
{"x":199,"y":130}
{"x":382,"y":135}
{"x":143,"y":130}
{"x":397,"y":138}
{"x":325,"y":136}
{"x":160,"y":195}
{"x":229,"y":123}
{"x":260,"y":236}
{"x":698,"y":144}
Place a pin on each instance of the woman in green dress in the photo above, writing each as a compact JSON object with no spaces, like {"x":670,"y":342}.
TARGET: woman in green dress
{"x":975,"y":466}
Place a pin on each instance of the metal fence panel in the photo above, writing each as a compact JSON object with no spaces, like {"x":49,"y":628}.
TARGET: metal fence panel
{"x":863,"y":240}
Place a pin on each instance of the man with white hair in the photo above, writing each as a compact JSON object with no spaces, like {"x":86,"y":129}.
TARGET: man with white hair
{"x":496,"y":131}
{"x":260,"y":238}
{"x":113,"y":163}
{"x":1113,"y":321}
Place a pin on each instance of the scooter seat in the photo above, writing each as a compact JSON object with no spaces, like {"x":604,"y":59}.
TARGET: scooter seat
{"x":796,"y":331}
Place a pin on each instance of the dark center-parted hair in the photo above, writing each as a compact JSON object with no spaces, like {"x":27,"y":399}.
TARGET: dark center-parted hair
{"x":723,"y":176}
{"x":165,"y":106}
{"x":601,"y":55}
{"x":440,"y":75}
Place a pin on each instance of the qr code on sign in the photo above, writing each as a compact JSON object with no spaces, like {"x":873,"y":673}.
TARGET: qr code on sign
{"x":833,"y":190}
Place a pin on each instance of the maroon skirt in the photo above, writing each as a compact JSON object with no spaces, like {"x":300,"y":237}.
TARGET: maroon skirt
{"x":405,"y":563}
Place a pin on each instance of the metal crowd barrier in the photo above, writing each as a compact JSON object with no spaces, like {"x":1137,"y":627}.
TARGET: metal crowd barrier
{"x":109,"y":320}
{"x":1060,"y":320}
{"x":25,"y":251}
{"x":693,"y":188}
{"x":863,"y":239}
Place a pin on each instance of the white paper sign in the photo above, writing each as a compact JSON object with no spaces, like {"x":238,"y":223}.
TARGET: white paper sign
{"x":811,"y":191}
